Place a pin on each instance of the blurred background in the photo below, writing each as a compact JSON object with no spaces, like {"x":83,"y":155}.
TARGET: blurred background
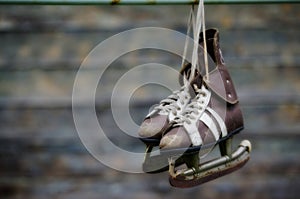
{"x":42,"y":47}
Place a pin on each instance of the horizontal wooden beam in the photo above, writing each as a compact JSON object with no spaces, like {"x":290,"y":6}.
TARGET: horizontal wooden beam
{"x":139,"y":2}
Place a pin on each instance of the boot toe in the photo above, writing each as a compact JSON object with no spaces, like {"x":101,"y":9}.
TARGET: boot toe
{"x":153,"y":127}
{"x":176,"y":138}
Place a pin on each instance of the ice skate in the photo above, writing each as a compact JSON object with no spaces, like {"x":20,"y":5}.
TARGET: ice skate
{"x":211,"y":119}
{"x":160,"y":119}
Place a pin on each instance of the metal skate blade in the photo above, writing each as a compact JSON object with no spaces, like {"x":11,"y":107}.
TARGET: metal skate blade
{"x":213,"y":169}
{"x":156,"y":162}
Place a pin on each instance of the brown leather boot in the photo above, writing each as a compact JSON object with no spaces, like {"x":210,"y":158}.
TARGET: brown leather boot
{"x":213,"y":115}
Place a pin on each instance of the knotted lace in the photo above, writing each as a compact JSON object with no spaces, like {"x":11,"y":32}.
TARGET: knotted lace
{"x":170,"y":103}
{"x":192,"y":109}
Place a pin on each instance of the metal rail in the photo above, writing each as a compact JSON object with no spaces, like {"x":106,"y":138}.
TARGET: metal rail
{"x":139,"y":2}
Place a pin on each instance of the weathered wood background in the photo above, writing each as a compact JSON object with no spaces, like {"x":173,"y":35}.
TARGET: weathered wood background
{"x":42,"y":47}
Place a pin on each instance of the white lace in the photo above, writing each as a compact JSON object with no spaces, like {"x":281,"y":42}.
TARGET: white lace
{"x":192,"y":109}
{"x":191,"y":26}
{"x":182,"y":112}
{"x":200,"y":23}
{"x":170,"y":103}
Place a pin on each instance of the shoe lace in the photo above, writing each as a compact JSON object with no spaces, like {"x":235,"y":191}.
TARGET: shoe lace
{"x":170,"y":103}
{"x":192,"y":109}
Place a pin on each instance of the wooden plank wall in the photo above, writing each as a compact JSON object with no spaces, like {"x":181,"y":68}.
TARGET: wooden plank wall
{"x":41,"y":50}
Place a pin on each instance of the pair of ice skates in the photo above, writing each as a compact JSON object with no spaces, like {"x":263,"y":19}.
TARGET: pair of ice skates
{"x":190,"y":122}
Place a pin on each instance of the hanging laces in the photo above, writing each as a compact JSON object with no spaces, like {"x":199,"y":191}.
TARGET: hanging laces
{"x":200,"y":23}
{"x":194,"y":106}
{"x":191,"y":26}
{"x":169,"y":104}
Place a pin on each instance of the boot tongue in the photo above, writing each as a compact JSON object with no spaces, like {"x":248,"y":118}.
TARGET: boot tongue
{"x":197,"y":81}
{"x":185,"y":72}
